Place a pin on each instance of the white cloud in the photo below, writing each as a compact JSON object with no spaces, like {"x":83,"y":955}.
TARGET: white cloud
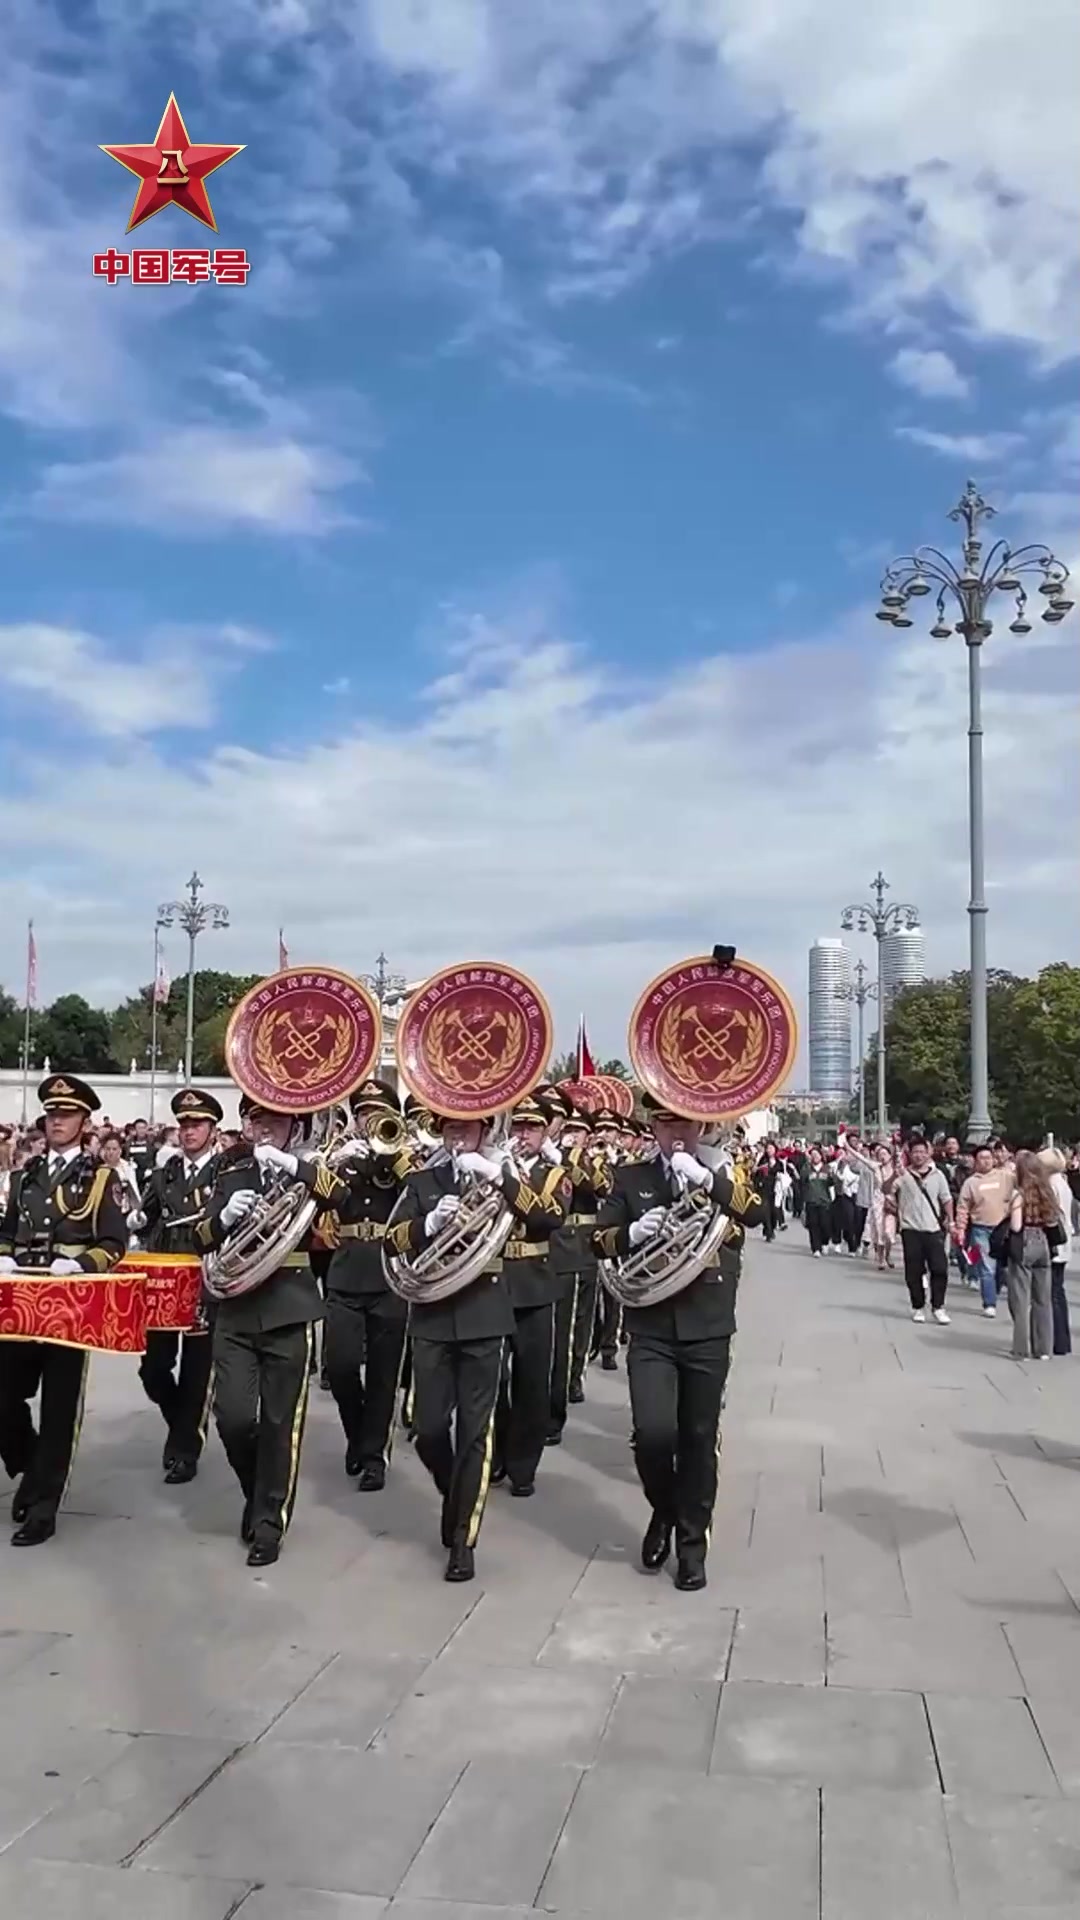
{"x":976,"y":449}
{"x":171,"y":682}
{"x":930,"y":372}
{"x":535,"y":806}
{"x":211,"y":480}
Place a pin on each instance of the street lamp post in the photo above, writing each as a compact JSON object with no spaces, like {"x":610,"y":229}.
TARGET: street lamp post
{"x":194,"y":916}
{"x":860,"y":990}
{"x":385,"y":986}
{"x":880,"y":920}
{"x":969,"y":589}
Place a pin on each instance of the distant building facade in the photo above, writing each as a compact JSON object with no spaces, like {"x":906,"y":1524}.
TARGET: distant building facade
{"x":829,"y":1022}
{"x":903,"y":961}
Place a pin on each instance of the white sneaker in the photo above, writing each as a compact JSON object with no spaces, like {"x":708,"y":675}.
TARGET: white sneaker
{"x":919,"y":1313}
{"x":942,"y":1317}
{"x":989,"y":1313}
{"x":817,"y":1256}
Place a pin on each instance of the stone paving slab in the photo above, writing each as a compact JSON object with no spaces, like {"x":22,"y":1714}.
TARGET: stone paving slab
{"x":883,"y":1674}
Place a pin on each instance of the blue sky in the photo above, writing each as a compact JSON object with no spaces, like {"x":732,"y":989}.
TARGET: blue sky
{"x":495,"y":572}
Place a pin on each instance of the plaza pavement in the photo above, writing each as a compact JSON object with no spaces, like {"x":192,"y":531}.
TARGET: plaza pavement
{"x":873,"y":1713}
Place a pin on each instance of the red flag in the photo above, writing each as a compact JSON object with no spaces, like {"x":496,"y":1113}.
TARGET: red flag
{"x":31,"y":966}
{"x":282,"y":951}
{"x":586,"y":1065}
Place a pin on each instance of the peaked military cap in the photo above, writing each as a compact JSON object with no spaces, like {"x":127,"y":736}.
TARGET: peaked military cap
{"x":656,"y":1110}
{"x":530,"y":1112}
{"x":192,"y":1103}
{"x":63,"y":1093}
{"x":375,"y":1093}
{"x":603,"y":1117}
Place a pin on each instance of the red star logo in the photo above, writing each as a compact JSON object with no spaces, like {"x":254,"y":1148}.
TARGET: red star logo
{"x":172,"y":171}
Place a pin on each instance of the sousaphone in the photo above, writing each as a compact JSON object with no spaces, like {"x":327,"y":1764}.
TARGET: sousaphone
{"x":471,"y":1043}
{"x":708,"y":1042}
{"x":300,"y":1043}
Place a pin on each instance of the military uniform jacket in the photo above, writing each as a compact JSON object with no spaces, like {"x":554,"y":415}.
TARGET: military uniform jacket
{"x":170,"y":1195}
{"x":290,"y":1297}
{"x":358,"y":1229}
{"x":481,"y":1310}
{"x":541,"y":1200}
{"x":79,"y":1216}
{"x":706,"y":1308}
{"x":591,"y":1175}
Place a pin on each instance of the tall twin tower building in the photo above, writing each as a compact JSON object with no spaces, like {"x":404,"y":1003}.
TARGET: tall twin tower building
{"x":831,"y":1023}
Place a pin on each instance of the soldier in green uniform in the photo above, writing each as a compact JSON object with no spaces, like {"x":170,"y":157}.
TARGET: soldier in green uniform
{"x":541,"y":1200}
{"x":176,"y":1369}
{"x":263,"y":1339}
{"x":590,"y":1174}
{"x":680,"y":1348}
{"x":458,"y":1343}
{"x":64,"y":1217}
{"x":364,"y":1334}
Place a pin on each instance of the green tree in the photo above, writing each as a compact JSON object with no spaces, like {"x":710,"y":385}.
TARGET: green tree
{"x":74,"y":1037}
{"x":1033,"y":1040}
{"x":216,"y":994}
{"x":11,"y":1030}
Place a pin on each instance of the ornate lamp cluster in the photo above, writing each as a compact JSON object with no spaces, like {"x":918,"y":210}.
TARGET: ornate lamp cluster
{"x":971,"y":586}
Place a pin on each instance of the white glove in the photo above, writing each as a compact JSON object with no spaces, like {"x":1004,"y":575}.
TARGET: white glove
{"x":551,"y":1152}
{"x":7,"y":1264}
{"x":648,"y":1226}
{"x":274,"y":1158}
{"x":65,"y":1266}
{"x":441,"y":1212}
{"x":691,"y":1170}
{"x":479,"y":1163}
{"x":135,"y":1222}
{"x":238,"y":1206}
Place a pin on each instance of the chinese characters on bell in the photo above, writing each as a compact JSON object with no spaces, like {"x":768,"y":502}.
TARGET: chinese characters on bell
{"x":178,"y":266}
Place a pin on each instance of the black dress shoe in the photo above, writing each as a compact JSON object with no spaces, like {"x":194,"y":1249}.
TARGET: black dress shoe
{"x":181,"y":1472}
{"x":656,"y":1545}
{"x":577,"y":1394}
{"x":168,"y":1461}
{"x":461,"y":1564}
{"x":372,"y":1480}
{"x":522,"y":1489}
{"x":689,"y":1577}
{"x":263,"y":1553}
{"x":33,"y":1533}
{"x":324,"y":1381}
{"x":247,"y":1531}
{"x":554,"y":1438}
{"x":20,"y":1507}
{"x":609,"y":1364}
{"x":353,"y":1462}
{"x":497,"y":1475}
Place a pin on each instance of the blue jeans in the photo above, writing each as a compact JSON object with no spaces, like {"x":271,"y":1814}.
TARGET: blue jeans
{"x":986,"y":1268}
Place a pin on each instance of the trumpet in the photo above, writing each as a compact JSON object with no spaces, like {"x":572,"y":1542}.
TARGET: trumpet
{"x":381,"y":1135}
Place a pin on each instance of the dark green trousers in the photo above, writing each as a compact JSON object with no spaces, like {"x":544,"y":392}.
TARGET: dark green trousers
{"x":260,"y":1405}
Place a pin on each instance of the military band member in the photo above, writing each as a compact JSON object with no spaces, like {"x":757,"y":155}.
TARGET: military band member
{"x":364,"y":1332}
{"x":609,"y":1136}
{"x":591,"y":1177}
{"x":679,"y":1349}
{"x":263,"y":1340}
{"x":64,"y":1217}
{"x":540,"y":1194}
{"x":457,"y":1343}
{"x":176,"y":1369}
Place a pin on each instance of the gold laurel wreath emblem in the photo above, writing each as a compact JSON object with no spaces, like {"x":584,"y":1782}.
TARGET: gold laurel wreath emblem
{"x":268,"y":1060}
{"x":438,"y":1040}
{"x":676,"y":1059}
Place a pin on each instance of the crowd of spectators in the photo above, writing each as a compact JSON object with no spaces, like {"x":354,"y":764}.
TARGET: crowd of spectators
{"x":1002,"y":1221}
